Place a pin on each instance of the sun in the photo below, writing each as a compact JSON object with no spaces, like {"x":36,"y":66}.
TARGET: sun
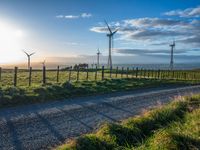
{"x":11,"y":41}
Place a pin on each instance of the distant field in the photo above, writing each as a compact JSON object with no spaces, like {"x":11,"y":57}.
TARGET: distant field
{"x":83,"y":82}
{"x":170,"y":127}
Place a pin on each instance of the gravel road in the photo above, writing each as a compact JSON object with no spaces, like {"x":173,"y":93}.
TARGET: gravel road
{"x":43,"y":126}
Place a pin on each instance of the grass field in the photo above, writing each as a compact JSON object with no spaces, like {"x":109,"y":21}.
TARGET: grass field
{"x":22,"y":93}
{"x":7,"y":75}
{"x":171,"y":127}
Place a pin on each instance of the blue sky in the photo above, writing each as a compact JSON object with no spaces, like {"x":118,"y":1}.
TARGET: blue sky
{"x":74,"y":29}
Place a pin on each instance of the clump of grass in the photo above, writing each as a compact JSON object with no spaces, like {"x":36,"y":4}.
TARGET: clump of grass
{"x":179,"y":135}
{"x":146,"y":131}
{"x":135,"y":130}
{"x":88,"y":142}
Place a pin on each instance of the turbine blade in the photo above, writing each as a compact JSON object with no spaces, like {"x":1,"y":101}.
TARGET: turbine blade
{"x":25,"y":52}
{"x":115,"y":31}
{"x":32,"y":54}
{"x":108,"y":26}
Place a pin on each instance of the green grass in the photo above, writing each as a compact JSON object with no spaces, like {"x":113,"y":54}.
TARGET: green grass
{"x":53,"y":90}
{"x":12,"y":96}
{"x":7,"y":76}
{"x":171,"y":127}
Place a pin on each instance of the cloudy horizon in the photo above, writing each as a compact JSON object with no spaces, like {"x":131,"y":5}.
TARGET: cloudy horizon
{"x":73,"y":29}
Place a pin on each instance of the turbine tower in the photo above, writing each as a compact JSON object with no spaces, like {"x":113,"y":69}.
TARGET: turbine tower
{"x":110,"y":36}
{"x":29,"y":57}
{"x":98,"y":54}
{"x":172,"y":55}
{"x":43,"y":63}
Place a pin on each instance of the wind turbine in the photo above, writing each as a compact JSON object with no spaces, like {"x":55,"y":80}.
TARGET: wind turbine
{"x":29,"y":57}
{"x":98,"y":53}
{"x":110,"y":36}
{"x":172,"y":55}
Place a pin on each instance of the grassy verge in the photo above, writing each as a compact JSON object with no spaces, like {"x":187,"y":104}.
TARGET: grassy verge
{"x":12,"y":96}
{"x":173,"y":126}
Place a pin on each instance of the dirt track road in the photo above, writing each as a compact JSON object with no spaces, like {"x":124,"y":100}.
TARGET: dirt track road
{"x":41,"y":126}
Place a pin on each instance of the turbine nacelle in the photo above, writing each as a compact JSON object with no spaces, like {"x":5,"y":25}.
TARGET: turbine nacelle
{"x":109,"y":29}
{"x":27,"y":54}
{"x":173,"y":44}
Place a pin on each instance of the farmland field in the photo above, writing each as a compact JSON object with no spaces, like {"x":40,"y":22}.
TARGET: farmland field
{"x":7,"y":75}
{"x":73,"y":83}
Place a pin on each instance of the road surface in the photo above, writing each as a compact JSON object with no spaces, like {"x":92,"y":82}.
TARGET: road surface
{"x":43,"y":126}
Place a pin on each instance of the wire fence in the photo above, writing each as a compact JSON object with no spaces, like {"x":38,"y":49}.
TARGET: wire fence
{"x":44,"y":76}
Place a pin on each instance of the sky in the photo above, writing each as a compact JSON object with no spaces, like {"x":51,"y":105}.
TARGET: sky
{"x":71,"y":31}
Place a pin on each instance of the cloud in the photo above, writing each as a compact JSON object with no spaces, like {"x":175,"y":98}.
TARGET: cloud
{"x":152,"y":22}
{"x":99,"y":29}
{"x":152,"y":34}
{"x":83,"y":15}
{"x":60,"y":16}
{"x":148,"y":51}
{"x":72,"y":43}
{"x":154,"y":30}
{"x":158,"y":52}
{"x":71,"y":17}
{"x":86,"y":15}
{"x":194,"y":40}
{"x":189,"y":12}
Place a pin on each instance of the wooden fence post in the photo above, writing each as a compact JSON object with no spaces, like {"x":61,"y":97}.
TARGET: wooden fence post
{"x":139,"y":73}
{"x":122,"y":72}
{"x":110,"y":72}
{"x":144,"y":73}
{"x":116,"y":72}
{"x":44,"y":75}
{"x":77,"y":79}
{"x":102,"y":75}
{"x":0,"y":73}
{"x":172,"y":74}
{"x":87,"y":75}
{"x":185,"y":76}
{"x":151,"y":73}
{"x":136,"y":72}
{"x":162,"y":74}
{"x":30,"y":74}
{"x":96,"y":74}
{"x":57,"y":77}
{"x":127,"y":71}
{"x":70,"y":72}
{"x":15,"y":76}
{"x":158,"y":73}
{"x":132,"y":72}
{"x":169,"y":74}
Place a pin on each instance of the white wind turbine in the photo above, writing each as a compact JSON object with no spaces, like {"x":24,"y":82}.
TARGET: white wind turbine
{"x":172,"y":55}
{"x":29,"y":57}
{"x":98,"y":54}
{"x":110,"y":36}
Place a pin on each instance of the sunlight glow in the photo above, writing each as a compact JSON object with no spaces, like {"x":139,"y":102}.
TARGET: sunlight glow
{"x":11,"y":42}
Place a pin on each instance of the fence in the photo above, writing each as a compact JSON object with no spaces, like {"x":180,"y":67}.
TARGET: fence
{"x":31,"y":77}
